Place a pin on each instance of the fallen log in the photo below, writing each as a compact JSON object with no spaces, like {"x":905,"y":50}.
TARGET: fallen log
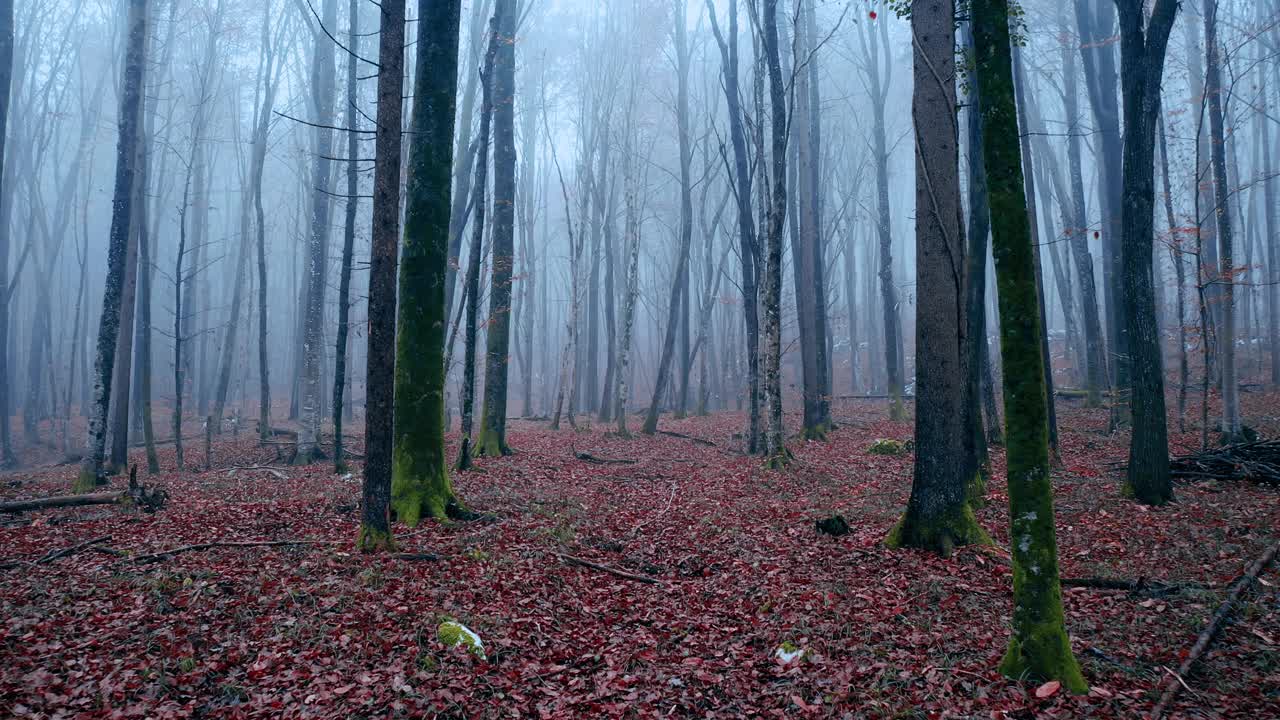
{"x":413,"y":556}
{"x":1207,"y":635}
{"x":1257,"y":461}
{"x":279,"y":475}
{"x":589,"y":458}
{"x":698,"y":440}
{"x":167,"y":554}
{"x":138,"y":495}
{"x":1142,"y":584}
{"x":66,"y":552}
{"x":572,"y":560}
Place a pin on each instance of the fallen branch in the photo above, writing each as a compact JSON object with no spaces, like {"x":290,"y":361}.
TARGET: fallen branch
{"x":1257,"y":461}
{"x":571,"y":560}
{"x":1206,"y":636}
{"x":167,"y":554}
{"x":1135,"y":586}
{"x":589,"y":458}
{"x":65,"y":552}
{"x":697,"y":440}
{"x":413,"y":556}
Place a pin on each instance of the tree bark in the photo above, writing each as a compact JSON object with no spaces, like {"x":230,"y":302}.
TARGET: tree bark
{"x":375,"y":518}
{"x":1039,"y":647}
{"x":126,"y":168}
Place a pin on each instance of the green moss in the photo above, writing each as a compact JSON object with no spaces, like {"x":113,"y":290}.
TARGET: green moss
{"x":419,"y":490}
{"x":371,"y":539}
{"x":453,"y":633}
{"x":491,"y":443}
{"x":976,"y":491}
{"x":885,"y":446}
{"x":941,"y":535}
{"x":1042,"y":653}
{"x":817,"y":432}
{"x":86,"y":482}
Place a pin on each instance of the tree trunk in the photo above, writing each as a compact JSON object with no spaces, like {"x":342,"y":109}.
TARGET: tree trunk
{"x":1039,"y":647}
{"x":493,"y":424}
{"x":938,"y":517}
{"x":348,"y":236}
{"x":775,"y":447}
{"x":375,"y":518}
{"x":677,"y":315}
{"x":1231,"y":428}
{"x":420,"y":485}
{"x":1142,"y":54}
{"x":109,"y":325}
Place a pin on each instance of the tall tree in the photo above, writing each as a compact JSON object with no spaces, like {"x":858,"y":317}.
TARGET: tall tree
{"x":938,"y":516}
{"x":121,"y":216}
{"x":748,"y":253}
{"x":776,"y":217}
{"x":876,"y":51}
{"x":471,"y":294}
{"x":806,"y":249}
{"x":1231,"y":427}
{"x":677,"y":315}
{"x":493,"y":422}
{"x":348,"y":233}
{"x":375,"y":520}
{"x":1039,"y":647}
{"x":264,"y":103}
{"x":323,"y":94}
{"x":6,"y":77}
{"x":1142,"y":51}
{"x":420,"y":485}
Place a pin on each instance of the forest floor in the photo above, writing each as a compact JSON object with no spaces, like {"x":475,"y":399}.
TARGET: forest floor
{"x":319,"y":631}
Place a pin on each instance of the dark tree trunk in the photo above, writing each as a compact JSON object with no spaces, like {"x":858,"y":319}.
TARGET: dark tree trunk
{"x":375,"y":519}
{"x":775,"y":447}
{"x":126,"y":167}
{"x":938,"y":517}
{"x":6,"y":77}
{"x":748,"y":253}
{"x":1142,"y":52}
{"x":348,"y":236}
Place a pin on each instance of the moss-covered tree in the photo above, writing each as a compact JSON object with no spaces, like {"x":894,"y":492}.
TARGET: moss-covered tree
{"x":420,"y":485}
{"x":492,"y":440}
{"x":1039,"y":647}
{"x":938,"y":516}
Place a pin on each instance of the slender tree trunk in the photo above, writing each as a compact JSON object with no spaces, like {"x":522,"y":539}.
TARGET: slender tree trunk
{"x":472,"y":282}
{"x":1231,"y":427}
{"x":492,"y":440}
{"x":775,"y":447}
{"x":677,"y":315}
{"x":109,"y":325}
{"x":1039,"y":647}
{"x":348,"y":236}
{"x":375,"y":519}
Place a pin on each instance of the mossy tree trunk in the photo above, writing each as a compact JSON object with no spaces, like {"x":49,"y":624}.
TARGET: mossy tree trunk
{"x":1142,"y":52}
{"x":420,"y":485}
{"x":471,"y":295}
{"x":375,"y":520}
{"x":938,"y":516}
{"x":978,"y":232}
{"x":121,"y":216}
{"x":493,"y":423}
{"x":1039,"y":647}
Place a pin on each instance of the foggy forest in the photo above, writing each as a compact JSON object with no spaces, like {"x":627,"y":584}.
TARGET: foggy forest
{"x":639,"y":358}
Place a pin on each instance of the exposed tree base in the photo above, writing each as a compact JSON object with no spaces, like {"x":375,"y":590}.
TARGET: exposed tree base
{"x":835,"y":526}
{"x":779,"y":460}
{"x":941,"y":535}
{"x":463,"y":462}
{"x":1045,"y":655}
{"x":374,"y":540}
{"x":490,"y":444}
{"x":308,"y":456}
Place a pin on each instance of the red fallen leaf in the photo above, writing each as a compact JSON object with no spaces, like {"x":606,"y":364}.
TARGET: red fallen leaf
{"x":1048,"y":689}
{"x":343,"y":690}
